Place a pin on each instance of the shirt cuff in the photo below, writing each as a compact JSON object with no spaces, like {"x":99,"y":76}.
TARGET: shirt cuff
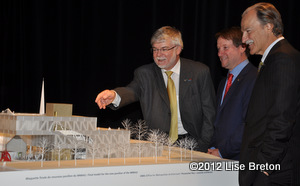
{"x":116,"y":102}
{"x":218,"y":151}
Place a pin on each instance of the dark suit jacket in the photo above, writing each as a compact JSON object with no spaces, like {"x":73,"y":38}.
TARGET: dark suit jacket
{"x":272,"y":130}
{"x":230,"y":118}
{"x":196,"y":99}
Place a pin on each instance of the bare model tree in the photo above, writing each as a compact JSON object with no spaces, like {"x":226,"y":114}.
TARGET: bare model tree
{"x":124,"y":145}
{"x":185,"y":147}
{"x":77,"y":144}
{"x":157,"y":137}
{"x":44,"y":145}
{"x":169,"y":143}
{"x":94,"y":147}
{"x":109,"y":145}
{"x":127,"y":124}
{"x":140,"y":130}
{"x":59,"y":146}
{"x":191,"y":143}
{"x":29,"y":154}
{"x":181,"y":145}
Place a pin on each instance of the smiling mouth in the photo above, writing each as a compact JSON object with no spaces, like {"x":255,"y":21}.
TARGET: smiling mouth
{"x":160,"y":59}
{"x":249,"y":42}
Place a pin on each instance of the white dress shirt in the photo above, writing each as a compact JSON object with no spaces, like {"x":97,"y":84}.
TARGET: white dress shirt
{"x":175,"y":77}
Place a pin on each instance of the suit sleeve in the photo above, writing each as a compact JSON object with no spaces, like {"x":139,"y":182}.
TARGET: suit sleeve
{"x":209,"y":110}
{"x":128,"y":94}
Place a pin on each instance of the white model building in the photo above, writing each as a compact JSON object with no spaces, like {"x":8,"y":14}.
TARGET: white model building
{"x":27,"y":136}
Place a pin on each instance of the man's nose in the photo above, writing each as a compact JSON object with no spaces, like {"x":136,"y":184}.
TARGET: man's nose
{"x":244,"y":37}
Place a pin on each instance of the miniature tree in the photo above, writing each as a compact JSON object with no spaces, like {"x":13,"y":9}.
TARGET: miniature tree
{"x":191,"y":143}
{"x":124,"y":146}
{"x":37,"y":156}
{"x":140,"y":130}
{"x":181,"y":145}
{"x":169,"y":143}
{"x":127,"y":124}
{"x":77,"y":144}
{"x":157,"y":137}
{"x":185,"y":146}
{"x":94,"y":147}
{"x":44,"y":145}
{"x":59,"y":146}
{"x":109,"y":144}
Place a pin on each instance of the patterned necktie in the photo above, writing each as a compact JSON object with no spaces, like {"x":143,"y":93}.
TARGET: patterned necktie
{"x":229,"y":82}
{"x":173,"y":134}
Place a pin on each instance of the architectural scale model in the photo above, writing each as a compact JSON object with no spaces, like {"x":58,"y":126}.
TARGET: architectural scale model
{"x":34,"y":137}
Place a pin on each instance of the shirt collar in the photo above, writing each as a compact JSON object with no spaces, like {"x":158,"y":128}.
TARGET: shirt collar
{"x":270,"y":47}
{"x":236,"y":71}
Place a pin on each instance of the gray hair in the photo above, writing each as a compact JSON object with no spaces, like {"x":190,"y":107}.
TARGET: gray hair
{"x":166,"y":32}
{"x":267,"y":13}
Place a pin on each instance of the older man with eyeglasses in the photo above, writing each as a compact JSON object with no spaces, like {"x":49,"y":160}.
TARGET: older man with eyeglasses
{"x":176,"y":95}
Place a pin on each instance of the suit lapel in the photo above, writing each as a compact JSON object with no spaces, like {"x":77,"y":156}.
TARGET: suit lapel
{"x":185,"y":79}
{"x":235,"y":85}
{"x":274,"y":48}
{"x":220,"y":92}
{"x":161,"y":85}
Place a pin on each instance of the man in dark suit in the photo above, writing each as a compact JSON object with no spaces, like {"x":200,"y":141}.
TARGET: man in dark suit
{"x":270,"y":148}
{"x":232,"y":107}
{"x":195,"y":94}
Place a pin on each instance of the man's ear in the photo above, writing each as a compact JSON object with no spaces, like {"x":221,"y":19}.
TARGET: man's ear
{"x":243,"y":48}
{"x":269,"y":27}
{"x":178,"y":50}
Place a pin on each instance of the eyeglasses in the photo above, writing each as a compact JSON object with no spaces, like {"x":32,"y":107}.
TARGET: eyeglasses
{"x":163,"y":50}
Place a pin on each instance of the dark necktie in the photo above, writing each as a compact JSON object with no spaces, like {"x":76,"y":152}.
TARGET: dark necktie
{"x":229,"y":82}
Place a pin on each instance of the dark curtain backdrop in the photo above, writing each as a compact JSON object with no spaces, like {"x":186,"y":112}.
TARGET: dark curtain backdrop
{"x":81,"y":47}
